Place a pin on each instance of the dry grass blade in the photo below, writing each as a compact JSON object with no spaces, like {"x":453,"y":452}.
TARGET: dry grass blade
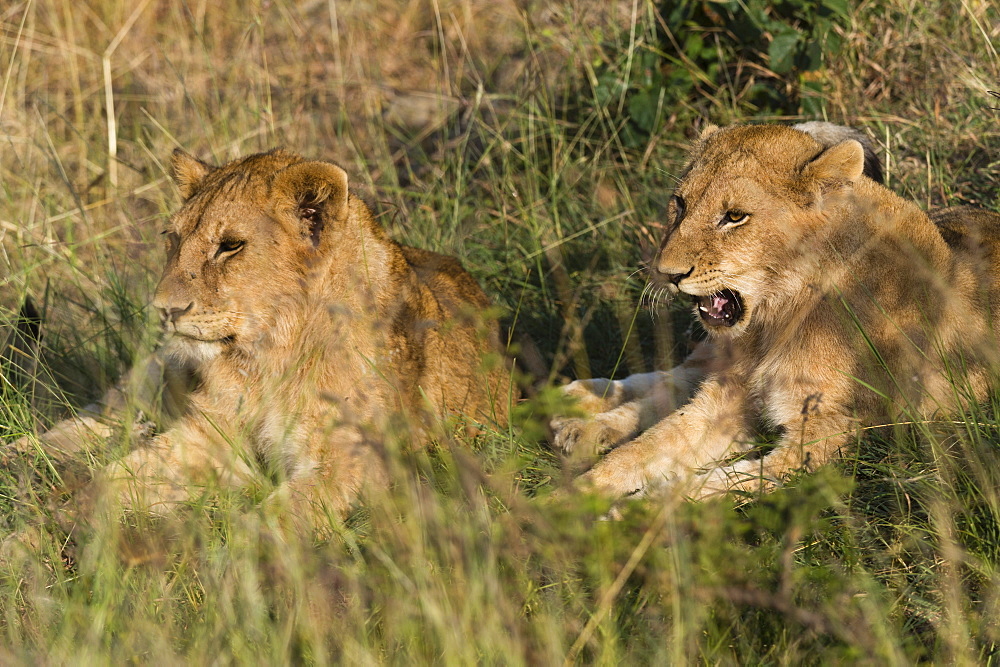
{"x":506,"y":134}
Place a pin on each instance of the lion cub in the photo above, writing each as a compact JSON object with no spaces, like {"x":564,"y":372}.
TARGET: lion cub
{"x":296,"y":330}
{"x":829,"y":301}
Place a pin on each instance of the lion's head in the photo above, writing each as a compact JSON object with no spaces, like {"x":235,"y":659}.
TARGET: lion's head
{"x":743,"y":222}
{"x":251,"y":238}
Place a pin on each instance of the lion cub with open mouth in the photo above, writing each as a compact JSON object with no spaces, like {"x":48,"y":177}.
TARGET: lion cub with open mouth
{"x":297,"y":332}
{"x":830,"y":303}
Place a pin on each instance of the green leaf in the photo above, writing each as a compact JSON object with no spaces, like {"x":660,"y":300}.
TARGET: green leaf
{"x":813,"y":56}
{"x":839,"y":7}
{"x":642,"y":109}
{"x":783,"y":48}
{"x":693,"y":45}
{"x":609,"y":87}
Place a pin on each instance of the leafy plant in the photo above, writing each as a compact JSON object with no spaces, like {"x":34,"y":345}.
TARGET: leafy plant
{"x":751,"y":55}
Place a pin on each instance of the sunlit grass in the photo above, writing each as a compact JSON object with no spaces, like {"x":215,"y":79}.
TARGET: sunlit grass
{"x":889,"y":557}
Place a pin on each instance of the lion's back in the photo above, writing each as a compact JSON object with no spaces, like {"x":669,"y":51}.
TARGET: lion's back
{"x":470,"y":361}
{"x":973,"y":234}
{"x":965,"y":227}
{"x":447,"y":279}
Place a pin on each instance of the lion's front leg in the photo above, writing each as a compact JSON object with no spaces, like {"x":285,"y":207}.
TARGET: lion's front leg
{"x":332,"y":470}
{"x":598,"y":395}
{"x":156,"y":387}
{"x":804,"y":448}
{"x":708,"y":428}
{"x":607,"y":430}
{"x":618,"y":410}
{"x":189,"y":461}
{"x":85,"y":431}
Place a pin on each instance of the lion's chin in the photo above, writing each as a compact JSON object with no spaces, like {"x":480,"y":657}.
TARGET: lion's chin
{"x":193,"y":351}
{"x":720,"y":309}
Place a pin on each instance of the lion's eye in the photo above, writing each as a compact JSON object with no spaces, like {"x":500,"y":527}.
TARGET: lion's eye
{"x":734,"y":217}
{"x":229,"y":247}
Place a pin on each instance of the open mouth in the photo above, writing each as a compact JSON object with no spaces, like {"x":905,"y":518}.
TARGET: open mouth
{"x":722,"y":309}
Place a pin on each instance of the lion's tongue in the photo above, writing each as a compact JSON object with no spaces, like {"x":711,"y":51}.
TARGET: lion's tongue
{"x":715,"y":306}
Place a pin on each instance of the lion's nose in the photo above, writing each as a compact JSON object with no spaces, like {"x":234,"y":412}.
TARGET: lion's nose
{"x":674,"y":274}
{"x":172,"y":313}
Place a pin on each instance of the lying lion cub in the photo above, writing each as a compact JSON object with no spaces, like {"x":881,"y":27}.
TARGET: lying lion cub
{"x":829,"y":301}
{"x":296,"y":329}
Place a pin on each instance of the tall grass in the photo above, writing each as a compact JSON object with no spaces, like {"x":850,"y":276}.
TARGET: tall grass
{"x":475,"y":129}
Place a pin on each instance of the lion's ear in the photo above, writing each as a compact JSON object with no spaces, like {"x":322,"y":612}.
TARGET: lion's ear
{"x":708,"y":131}
{"x":839,"y":164}
{"x":189,"y":172}
{"x":319,"y":193}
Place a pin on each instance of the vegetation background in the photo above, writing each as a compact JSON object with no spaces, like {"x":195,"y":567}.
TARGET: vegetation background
{"x":538,"y":142}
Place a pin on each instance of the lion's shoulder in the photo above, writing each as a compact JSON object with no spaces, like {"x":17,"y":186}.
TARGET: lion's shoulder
{"x":450,"y":282}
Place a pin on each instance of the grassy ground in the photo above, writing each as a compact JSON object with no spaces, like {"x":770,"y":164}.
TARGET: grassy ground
{"x":488,"y":133}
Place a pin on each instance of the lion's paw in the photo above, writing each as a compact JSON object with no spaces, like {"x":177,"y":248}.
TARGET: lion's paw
{"x":585,"y":436}
{"x":593,"y":396}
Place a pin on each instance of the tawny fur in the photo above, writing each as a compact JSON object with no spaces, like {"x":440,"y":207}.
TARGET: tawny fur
{"x":857,"y":308}
{"x":298,"y":333}
{"x":618,"y":410}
